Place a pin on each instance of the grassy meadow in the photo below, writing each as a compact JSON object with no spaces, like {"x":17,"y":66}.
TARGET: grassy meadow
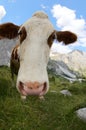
{"x":56,"y":112}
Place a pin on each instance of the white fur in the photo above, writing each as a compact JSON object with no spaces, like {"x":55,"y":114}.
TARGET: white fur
{"x":34,"y":50}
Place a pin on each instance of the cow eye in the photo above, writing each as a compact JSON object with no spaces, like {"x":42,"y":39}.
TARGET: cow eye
{"x":22,"y":33}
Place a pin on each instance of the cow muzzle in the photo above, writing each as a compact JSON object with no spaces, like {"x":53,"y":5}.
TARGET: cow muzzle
{"x":32,"y":88}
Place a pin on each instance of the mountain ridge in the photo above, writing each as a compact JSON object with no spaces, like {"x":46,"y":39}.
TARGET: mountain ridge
{"x":75,"y":60}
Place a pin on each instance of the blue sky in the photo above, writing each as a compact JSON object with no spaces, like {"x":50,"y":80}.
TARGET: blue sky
{"x":18,"y":11}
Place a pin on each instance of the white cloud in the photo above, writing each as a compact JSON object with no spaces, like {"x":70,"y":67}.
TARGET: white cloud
{"x":2,"y":12}
{"x":43,"y":6}
{"x":66,"y":20}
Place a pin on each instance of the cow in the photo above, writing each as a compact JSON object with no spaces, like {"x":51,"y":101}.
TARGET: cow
{"x":14,"y":61}
{"x":36,"y":37}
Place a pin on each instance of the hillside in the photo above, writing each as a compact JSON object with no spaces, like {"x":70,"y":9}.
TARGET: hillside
{"x":56,"y":112}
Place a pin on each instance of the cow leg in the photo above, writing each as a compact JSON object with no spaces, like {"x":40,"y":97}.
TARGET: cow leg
{"x":12,"y":74}
{"x":41,"y":97}
{"x":24,"y":97}
{"x":14,"y":63}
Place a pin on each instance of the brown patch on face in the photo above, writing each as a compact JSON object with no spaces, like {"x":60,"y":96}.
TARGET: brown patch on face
{"x":8,"y":30}
{"x":14,"y":54}
{"x":22,"y":34}
{"x":51,"y":39}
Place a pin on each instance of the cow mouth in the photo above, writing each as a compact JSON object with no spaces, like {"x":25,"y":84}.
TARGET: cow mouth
{"x":25,"y":90}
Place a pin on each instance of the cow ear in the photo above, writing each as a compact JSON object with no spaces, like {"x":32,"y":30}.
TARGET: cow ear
{"x":66,"y":36}
{"x":8,"y":30}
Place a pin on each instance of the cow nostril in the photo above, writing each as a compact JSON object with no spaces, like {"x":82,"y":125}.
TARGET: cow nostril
{"x":30,"y":88}
{"x":45,"y":85}
{"x":21,"y":85}
{"x":37,"y":86}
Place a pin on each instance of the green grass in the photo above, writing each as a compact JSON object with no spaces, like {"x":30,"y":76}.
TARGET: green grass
{"x":56,"y":112}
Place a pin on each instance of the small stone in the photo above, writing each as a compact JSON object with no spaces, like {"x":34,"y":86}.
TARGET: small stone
{"x":65,"y":92}
{"x":23,"y":97}
{"x":81,"y":113}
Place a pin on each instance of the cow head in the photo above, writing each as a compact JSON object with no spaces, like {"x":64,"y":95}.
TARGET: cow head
{"x":36,"y":37}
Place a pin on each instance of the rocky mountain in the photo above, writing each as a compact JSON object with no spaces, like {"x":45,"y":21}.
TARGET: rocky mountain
{"x":69,"y":66}
{"x":6,"y":46}
{"x":61,"y":69}
{"x":76,"y":60}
